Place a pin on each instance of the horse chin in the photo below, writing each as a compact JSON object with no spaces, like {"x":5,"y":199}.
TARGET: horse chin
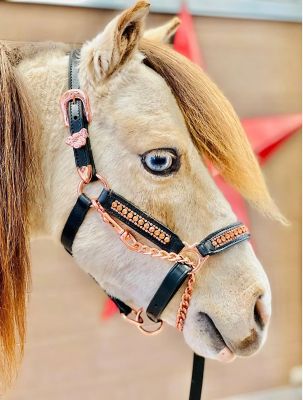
{"x":207,"y":346}
{"x":205,"y":340}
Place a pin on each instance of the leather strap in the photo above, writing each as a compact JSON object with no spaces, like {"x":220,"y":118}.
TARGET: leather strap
{"x":139,"y":221}
{"x":74,"y":221}
{"x":223,"y":239}
{"x":77,"y":120}
{"x":166,"y":291}
{"x":197,"y":377}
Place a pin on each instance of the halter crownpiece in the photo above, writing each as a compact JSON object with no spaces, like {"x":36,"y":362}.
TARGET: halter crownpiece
{"x":115,"y":209}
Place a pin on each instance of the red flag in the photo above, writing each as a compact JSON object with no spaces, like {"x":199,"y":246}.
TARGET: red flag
{"x":109,"y":309}
{"x":267,"y":133}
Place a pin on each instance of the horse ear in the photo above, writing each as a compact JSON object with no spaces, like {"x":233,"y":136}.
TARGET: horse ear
{"x":164,"y":33}
{"x":113,"y":47}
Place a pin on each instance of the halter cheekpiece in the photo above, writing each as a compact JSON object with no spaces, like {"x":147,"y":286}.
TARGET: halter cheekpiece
{"x":115,"y":209}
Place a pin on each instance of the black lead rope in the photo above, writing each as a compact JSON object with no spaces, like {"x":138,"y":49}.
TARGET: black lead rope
{"x":197,"y":377}
{"x":162,"y":236}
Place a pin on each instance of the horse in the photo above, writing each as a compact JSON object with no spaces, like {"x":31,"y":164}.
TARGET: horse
{"x":157,"y":122}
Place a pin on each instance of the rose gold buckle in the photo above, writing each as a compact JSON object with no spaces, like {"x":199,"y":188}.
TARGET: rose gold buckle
{"x":72,"y":95}
{"x":139,"y":322}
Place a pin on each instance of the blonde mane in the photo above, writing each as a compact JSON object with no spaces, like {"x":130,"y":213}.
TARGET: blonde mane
{"x":212,"y":123}
{"x":19,"y":179}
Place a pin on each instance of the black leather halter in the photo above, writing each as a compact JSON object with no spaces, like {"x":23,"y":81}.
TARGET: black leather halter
{"x":118,"y":208}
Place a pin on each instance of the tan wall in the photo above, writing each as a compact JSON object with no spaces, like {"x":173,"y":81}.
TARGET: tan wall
{"x":70,"y":353}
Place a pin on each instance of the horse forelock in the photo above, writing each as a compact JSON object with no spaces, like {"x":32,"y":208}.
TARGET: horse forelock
{"x":212,"y":123}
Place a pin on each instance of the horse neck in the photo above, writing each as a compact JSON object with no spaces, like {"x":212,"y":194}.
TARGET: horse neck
{"x":45,"y":78}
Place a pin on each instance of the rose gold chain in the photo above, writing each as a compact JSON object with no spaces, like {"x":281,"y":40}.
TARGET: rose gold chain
{"x":133,"y":244}
{"x":154,"y":252}
{"x":186,"y":298}
{"x":185,"y":301}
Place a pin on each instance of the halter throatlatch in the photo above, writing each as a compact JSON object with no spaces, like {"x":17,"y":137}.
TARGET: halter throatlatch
{"x":115,"y":209}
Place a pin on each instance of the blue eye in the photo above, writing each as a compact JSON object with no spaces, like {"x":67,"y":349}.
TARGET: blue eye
{"x":160,"y":161}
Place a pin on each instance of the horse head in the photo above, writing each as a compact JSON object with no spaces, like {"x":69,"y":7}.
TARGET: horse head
{"x":157,"y":122}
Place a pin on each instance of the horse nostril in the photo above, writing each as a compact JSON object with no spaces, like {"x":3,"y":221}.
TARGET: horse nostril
{"x":260,"y":315}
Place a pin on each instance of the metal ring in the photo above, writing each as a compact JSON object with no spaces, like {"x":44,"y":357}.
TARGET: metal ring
{"x":138,"y":321}
{"x":146,"y":331}
{"x":193,"y":255}
{"x":101,"y":179}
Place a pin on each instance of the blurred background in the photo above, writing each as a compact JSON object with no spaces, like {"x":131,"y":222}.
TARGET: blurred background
{"x":252,"y":50}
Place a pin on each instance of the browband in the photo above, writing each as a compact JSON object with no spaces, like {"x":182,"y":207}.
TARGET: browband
{"x":77,"y":115}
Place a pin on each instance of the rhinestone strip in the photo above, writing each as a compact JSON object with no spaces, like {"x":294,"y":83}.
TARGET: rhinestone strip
{"x":229,"y":236}
{"x":141,"y":222}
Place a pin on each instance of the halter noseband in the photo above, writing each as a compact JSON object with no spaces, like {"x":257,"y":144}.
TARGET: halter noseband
{"x":114,"y":209}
